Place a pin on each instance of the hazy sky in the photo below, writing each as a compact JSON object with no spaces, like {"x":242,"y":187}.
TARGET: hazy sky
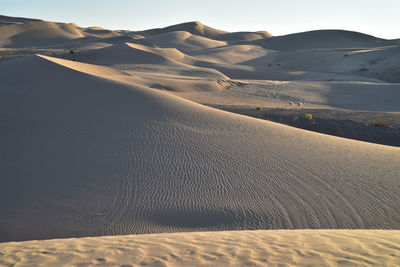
{"x":376,"y":17}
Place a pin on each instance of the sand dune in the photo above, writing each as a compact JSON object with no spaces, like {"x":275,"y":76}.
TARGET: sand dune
{"x":242,"y":36}
{"x":379,"y":63}
{"x":45,"y":33}
{"x":194,"y":27}
{"x":75,"y":136}
{"x":183,"y":41}
{"x":105,"y":133}
{"x":23,"y":35}
{"x":237,"y":248}
{"x":100,"y":32}
{"x":323,"y":39}
{"x":134,"y":56}
{"x":231,"y":54}
{"x":5,"y":20}
{"x":124,"y":54}
{"x":316,"y":55}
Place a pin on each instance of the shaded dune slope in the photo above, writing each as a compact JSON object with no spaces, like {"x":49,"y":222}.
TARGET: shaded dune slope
{"x":86,"y":152}
{"x":38,"y":33}
{"x":5,"y":20}
{"x":323,"y":39}
{"x":124,"y":54}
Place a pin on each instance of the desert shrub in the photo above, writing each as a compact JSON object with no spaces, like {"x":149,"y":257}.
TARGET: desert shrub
{"x":258,"y":108}
{"x":308,"y":116}
{"x":141,"y":66}
{"x":379,"y":123}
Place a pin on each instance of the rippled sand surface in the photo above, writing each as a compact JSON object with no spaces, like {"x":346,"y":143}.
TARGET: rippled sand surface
{"x":235,"y":248}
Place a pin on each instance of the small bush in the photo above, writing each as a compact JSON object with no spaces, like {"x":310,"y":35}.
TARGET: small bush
{"x":295,"y":118}
{"x":54,"y":54}
{"x":308,"y":116}
{"x":362,"y":69}
{"x":21,"y":55}
{"x":71,"y":51}
{"x":258,"y":108}
{"x":1,"y":57}
{"x":380,"y":123}
{"x":141,"y":66}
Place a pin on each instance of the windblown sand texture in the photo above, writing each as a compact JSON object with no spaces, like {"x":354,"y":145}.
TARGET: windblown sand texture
{"x":101,"y":135}
{"x":244,"y":248}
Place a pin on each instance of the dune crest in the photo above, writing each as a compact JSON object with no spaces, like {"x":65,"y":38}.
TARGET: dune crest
{"x":194,"y":27}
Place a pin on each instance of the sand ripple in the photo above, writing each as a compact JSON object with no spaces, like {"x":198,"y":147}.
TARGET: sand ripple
{"x":237,"y":248}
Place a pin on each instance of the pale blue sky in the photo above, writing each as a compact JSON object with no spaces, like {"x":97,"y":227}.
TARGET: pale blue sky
{"x":376,"y":17}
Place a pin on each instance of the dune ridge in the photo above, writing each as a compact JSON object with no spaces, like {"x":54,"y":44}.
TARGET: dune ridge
{"x":194,"y":27}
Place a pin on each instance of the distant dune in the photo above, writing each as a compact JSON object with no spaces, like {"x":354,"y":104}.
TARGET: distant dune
{"x":111,"y":133}
{"x":194,"y":27}
{"x":323,"y":39}
{"x":14,"y":20}
{"x":243,"y":36}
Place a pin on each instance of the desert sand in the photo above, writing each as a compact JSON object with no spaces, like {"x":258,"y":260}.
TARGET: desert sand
{"x":232,"y":248}
{"x":116,"y":133}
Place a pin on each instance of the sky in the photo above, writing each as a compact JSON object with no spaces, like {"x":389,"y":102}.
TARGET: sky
{"x":375,"y":17}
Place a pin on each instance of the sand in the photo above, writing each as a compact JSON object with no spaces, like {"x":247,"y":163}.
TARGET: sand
{"x":138,"y":160}
{"x":109,"y":133}
{"x":244,"y":248}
